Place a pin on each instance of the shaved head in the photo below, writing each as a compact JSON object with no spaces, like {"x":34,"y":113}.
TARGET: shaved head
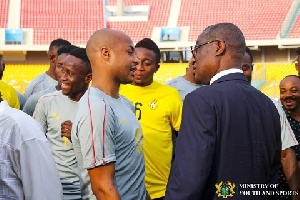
{"x":105,"y":37}
{"x":113,"y":60}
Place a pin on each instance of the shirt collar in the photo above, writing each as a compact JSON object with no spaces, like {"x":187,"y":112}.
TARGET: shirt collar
{"x":223,"y":73}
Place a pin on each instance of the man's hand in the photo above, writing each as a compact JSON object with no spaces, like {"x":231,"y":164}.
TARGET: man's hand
{"x":66,"y":127}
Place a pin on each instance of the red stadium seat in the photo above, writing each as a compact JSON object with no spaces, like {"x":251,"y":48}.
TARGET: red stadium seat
{"x":259,"y":20}
{"x":71,"y":20}
{"x":4,"y":5}
{"x":295,"y":32}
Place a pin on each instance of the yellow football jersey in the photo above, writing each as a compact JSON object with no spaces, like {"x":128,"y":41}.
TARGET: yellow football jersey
{"x":9,"y":94}
{"x":159,"y":109}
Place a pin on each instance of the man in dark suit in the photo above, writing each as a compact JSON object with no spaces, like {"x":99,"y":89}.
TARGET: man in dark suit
{"x":230,"y":132}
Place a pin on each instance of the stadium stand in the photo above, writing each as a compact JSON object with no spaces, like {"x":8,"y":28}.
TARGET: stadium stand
{"x":158,"y":17}
{"x":19,"y":76}
{"x":76,"y":20}
{"x":268,"y":74}
{"x":167,"y":71}
{"x":72,"y":20}
{"x":295,"y":32}
{"x":257,"y":19}
{"x":4,"y":5}
{"x":275,"y":72}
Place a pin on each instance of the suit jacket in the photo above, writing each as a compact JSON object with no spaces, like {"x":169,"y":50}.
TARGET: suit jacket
{"x":230,"y":131}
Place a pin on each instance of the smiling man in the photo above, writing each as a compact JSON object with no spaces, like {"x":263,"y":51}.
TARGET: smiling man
{"x":290,"y":99}
{"x":31,"y":102}
{"x":55,"y":108}
{"x":48,"y":78}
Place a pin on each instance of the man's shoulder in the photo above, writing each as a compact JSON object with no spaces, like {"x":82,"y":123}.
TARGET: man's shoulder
{"x":23,"y":124}
{"x":92,"y":99}
{"x":35,"y":97}
{"x":173,"y":82}
{"x":37,"y":79}
{"x":166,"y":89}
{"x":6,"y":86}
{"x":50,"y":96}
{"x":34,"y":84}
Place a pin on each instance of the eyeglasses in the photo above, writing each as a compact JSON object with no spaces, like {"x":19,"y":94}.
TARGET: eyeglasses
{"x":197,"y":46}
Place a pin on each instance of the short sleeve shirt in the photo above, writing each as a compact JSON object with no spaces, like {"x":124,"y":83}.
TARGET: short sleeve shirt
{"x":183,"y":86}
{"x":40,"y":83}
{"x":52,"y":110}
{"x":105,"y":130}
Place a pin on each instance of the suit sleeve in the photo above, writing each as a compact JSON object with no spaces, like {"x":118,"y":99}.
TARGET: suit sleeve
{"x":197,"y":136}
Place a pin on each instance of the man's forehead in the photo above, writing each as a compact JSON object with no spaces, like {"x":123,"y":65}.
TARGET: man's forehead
{"x":71,"y":60}
{"x":62,"y":56}
{"x":145,"y":53}
{"x":294,"y":81}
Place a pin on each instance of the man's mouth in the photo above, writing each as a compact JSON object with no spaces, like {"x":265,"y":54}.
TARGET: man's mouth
{"x":289,"y":101}
{"x":63,"y":85}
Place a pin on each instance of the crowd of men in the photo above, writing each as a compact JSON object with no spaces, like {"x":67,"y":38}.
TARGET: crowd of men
{"x":97,"y":125}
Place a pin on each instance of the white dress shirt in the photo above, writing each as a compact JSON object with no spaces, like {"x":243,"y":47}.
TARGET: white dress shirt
{"x":27,"y":167}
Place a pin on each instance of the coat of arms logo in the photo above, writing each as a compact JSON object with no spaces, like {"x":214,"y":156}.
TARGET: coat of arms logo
{"x":225,"y":189}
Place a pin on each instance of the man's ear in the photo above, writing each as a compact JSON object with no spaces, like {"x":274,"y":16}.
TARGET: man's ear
{"x":221,"y":48}
{"x":157,"y":67}
{"x":105,"y":53}
{"x":52,"y":58}
{"x":88,"y":78}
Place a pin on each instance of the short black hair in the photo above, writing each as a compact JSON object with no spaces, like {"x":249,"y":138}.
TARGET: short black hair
{"x":296,"y":76}
{"x":248,"y":51}
{"x":229,"y":33}
{"x":65,"y":49}
{"x":298,"y":51}
{"x":149,"y":44}
{"x":81,"y":54}
{"x":58,"y":43}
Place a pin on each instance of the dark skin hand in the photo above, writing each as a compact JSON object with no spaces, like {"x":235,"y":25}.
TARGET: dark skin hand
{"x":66,"y":127}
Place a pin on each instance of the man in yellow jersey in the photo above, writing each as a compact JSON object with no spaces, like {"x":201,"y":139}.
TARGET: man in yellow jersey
{"x":7,"y":92}
{"x":158,"y":108}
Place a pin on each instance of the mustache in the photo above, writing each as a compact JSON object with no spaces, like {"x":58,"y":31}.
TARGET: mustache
{"x":289,"y":98}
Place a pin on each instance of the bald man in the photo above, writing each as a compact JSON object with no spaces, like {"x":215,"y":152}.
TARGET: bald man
{"x":230,"y":132}
{"x":107,"y":137}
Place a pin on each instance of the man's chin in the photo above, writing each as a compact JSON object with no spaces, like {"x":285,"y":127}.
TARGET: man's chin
{"x":65,"y":92}
{"x":290,"y":108}
{"x":128,"y":81}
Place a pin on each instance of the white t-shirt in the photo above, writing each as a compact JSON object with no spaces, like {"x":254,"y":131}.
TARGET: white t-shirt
{"x":288,"y":138}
